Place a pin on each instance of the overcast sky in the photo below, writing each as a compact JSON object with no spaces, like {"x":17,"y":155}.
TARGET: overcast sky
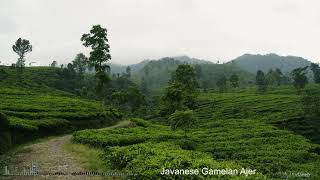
{"x":151,"y":29}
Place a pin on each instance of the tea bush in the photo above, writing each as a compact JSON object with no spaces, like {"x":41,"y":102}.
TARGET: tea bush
{"x":33,"y":113}
{"x":265,"y":132}
{"x":147,"y":161}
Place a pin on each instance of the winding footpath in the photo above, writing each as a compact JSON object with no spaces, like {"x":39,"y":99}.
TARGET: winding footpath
{"x":49,"y":156}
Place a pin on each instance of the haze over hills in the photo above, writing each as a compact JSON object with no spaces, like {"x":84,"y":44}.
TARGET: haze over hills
{"x":248,"y":62}
{"x":157,"y":73}
{"x":117,"y":68}
{"x":253,"y":63}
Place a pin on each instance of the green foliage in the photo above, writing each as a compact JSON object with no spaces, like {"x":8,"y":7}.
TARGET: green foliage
{"x":3,"y":74}
{"x":316,"y":72}
{"x":311,"y":104}
{"x":80,"y":63}
{"x":54,"y":64}
{"x":21,"y":47}
{"x":128,"y":99}
{"x":147,"y":160}
{"x":222,"y":83}
{"x":186,"y":77}
{"x":234,"y":80}
{"x":100,"y":54}
{"x":5,"y":141}
{"x":144,"y":131}
{"x":182,"y":90}
{"x":33,"y":114}
{"x":299,"y":78}
{"x":261,"y":81}
{"x":275,"y":77}
{"x":5,"y":136}
{"x":4,"y":122}
{"x":157,"y":73}
{"x":184,"y":120}
{"x":241,"y":128}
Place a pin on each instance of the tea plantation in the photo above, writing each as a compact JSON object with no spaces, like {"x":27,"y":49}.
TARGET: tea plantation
{"x":33,"y":113}
{"x":267,"y":132}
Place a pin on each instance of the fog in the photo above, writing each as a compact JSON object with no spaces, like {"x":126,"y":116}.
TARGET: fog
{"x":150,"y":29}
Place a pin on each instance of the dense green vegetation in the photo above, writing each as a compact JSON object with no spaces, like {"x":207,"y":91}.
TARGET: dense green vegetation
{"x":196,"y":114}
{"x":157,"y":74}
{"x":268,"y":132}
{"x":40,"y":78}
{"x":33,"y":114}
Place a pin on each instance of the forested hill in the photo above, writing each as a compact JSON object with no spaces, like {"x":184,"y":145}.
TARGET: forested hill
{"x":156,"y":74}
{"x":135,"y":68}
{"x":253,"y":63}
{"x":118,"y":68}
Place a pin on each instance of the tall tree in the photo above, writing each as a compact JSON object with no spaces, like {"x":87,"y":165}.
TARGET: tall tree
{"x":222,"y":83}
{"x":279,"y":76}
{"x":128,"y":71}
{"x":100,"y":54}
{"x":21,"y":47}
{"x":80,"y":63}
{"x":234,"y":80}
{"x":143,"y":86}
{"x":182,"y":90}
{"x":316,"y":72}
{"x":299,"y":78}
{"x":261,"y":81}
{"x":54,"y":64}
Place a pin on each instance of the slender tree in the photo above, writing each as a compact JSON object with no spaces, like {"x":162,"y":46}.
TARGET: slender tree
{"x":80,"y":63}
{"x":222,"y":83}
{"x":143,"y":86}
{"x":299,"y":78}
{"x":261,"y":81}
{"x":54,"y":64}
{"x":234,"y":80}
{"x":100,"y":54}
{"x":21,"y":47}
{"x":128,"y":71}
{"x":182,"y":90}
{"x":316,"y":72}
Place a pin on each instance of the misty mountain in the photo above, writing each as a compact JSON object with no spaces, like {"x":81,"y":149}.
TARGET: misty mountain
{"x":253,"y":63}
{"x":117,"y":68}
{"x":157,"y":73}
{"x":135,"y":68}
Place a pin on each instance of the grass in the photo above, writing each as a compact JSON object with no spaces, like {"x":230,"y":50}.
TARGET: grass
{"x":88,"y":158}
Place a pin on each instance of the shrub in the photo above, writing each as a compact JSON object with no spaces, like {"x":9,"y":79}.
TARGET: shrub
{"x":148,"y":159}
{"x":184,"y":120}
{"x":4,"y":122}
{"x":5,"y":136}
{"x":5,"y":141}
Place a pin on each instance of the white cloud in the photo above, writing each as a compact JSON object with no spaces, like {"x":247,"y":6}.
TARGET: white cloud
{"x":141,"y":29}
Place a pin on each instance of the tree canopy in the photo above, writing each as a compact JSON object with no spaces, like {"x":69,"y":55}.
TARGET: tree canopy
{"x":100,"y":54}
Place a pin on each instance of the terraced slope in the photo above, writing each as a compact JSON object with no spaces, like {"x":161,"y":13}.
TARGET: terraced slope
{"x":242,"y":129}
{"x":34,"y":114}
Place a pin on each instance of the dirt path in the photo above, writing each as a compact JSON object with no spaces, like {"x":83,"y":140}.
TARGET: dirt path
{"x":48,"y":156}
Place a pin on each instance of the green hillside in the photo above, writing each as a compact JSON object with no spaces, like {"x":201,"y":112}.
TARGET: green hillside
{"x":39,"y":78}
{"x":33,"y":114}
{"x":156,"y":74}
{"x":234,"y":130}
{"x":37,"y":108}
{"x":253,"y":63}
